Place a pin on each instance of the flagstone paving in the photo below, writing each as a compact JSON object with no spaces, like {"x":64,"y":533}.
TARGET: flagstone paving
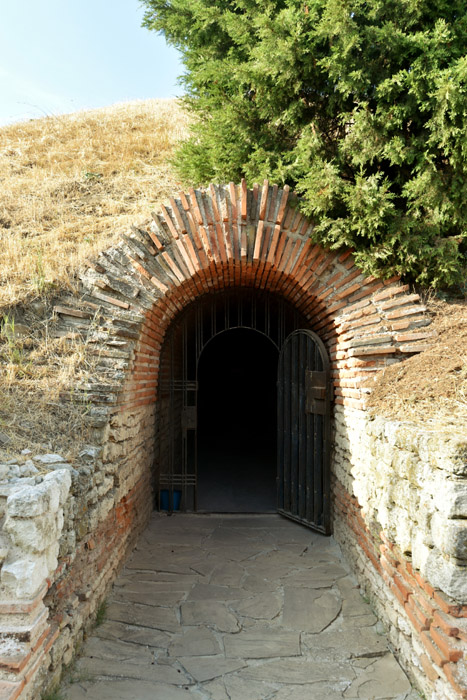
{"x":236,"y":607}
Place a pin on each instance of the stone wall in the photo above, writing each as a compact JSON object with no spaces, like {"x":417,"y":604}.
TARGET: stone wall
{"x":65,"y":531}
{"x":32,"y":506}
{"x":400,"y":507}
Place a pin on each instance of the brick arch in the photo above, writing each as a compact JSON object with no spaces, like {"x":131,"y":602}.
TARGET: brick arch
{"x":224,"y":236}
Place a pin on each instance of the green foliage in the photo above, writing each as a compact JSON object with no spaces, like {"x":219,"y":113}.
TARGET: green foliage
{"x":54,"y":694}
{"x":101,"y":614}
{"x":360,"y":106}
{"x":11,"y":348}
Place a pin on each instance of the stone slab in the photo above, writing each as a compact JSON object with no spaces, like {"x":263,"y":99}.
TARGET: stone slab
{"x":213,"y":614}
{"x":261,"y":644}
{"x":298,"y":671}
{"x":313,"y":691}
{"x":240,"y":689}
{"x":125,"y":690}
{"x":323,"y":575}
{"x":347,"y":643}
{"x":147,"y":594}
{"x":205,"y":669}
{"x":310,"y":610}
{"x":259,"y":584}
{"x":129,"y":633}
{"x":205,"y":591}
{"x":260,"y":607}
{"x":198,"y":641}
{"x":382,"y":679}
{"x":112,"y":668}
{"x":163,"y":619}
{"x":153,"y":583}
{"x":227,"y":574}
{"x":117,"y":650}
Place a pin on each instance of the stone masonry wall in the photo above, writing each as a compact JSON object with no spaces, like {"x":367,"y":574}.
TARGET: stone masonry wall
{"x":65,"y":532}
{"x":400,"y":507}
{"x":32,"y":505}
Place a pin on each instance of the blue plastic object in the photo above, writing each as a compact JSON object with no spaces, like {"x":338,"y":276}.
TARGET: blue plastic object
{"x":164,"y":499}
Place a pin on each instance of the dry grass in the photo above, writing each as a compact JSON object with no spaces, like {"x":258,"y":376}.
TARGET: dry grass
{"x":35,"y":369}
{"x":71,"y":184}
{"x":430,"y":388}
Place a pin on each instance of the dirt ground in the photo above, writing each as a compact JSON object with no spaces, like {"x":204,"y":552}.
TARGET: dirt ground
{"x":430,"y":386}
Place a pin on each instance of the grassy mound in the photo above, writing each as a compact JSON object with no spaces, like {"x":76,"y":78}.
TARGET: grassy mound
{"x":71,"y":184}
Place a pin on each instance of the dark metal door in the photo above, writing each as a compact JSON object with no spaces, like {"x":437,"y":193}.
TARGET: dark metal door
{"x":177,"y":399}
{"x":303,"y":430}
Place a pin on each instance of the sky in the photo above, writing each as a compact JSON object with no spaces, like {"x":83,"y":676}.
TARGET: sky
{"x":59,"y":56}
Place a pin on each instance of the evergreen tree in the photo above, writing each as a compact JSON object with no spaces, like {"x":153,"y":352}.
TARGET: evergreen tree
{"x":360,"y":106}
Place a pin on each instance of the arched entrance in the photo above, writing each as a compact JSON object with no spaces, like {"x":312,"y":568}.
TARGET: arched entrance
{"x":217,"y":425}
{"x":237,"y":423}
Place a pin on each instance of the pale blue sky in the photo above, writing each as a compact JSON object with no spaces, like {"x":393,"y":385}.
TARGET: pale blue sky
{"x":59,"y":56}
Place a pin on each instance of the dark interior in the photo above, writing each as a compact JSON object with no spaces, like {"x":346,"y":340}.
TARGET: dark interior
{"x":237,"y":423}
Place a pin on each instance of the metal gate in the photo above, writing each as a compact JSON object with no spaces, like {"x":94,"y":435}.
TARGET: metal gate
{"x":259,"y":310}
{"x":303,"y":430}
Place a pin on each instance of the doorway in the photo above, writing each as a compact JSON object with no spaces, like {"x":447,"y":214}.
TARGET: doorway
{"x":237,"y":423}
{"x":218,"y":434}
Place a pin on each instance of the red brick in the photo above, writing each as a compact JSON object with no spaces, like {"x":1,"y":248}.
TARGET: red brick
{"x":419,"y":626}
{"x":366,"y":292}
{"x":445,"y":623}
{"x":390,"y":292}
{"x":457,"y":683}
{"x":429,"y":590}
{"x":423,"y":618}
{"x":11,"y":690}
{"x":405,"y":591}
{"x":433,"y":652}
{"x":445,"y":644}
{"x":347,"y":292}
{"x":403,"y":299}
{"x":448,"y":606}
{"x":430,"y":670}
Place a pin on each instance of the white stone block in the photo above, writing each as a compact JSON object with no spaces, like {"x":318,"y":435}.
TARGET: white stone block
{"x":30,"y":501}
{"x":62,"y":478}
{"x":51,"y":555}
{"x":48,"y":459}
{"x":450,"y":498}
{"x":450,"y":536}
{"x":24,"y":577}
{"x":32,"y":535}
{"x":446,"y":575}
{"x":420,"y":551}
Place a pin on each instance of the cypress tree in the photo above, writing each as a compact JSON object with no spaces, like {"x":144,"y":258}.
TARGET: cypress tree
{"x":360,"y":106}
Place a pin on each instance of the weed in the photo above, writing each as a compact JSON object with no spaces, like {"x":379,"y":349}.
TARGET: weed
{"x":92,"y":176}
{"x":39,"y":279}
{"x":12,"y":347}
{"x":53,"y":694}
{"x":101,"y":614}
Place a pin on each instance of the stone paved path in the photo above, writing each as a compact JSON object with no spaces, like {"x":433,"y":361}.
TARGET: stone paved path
{"x":236,"y":607}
